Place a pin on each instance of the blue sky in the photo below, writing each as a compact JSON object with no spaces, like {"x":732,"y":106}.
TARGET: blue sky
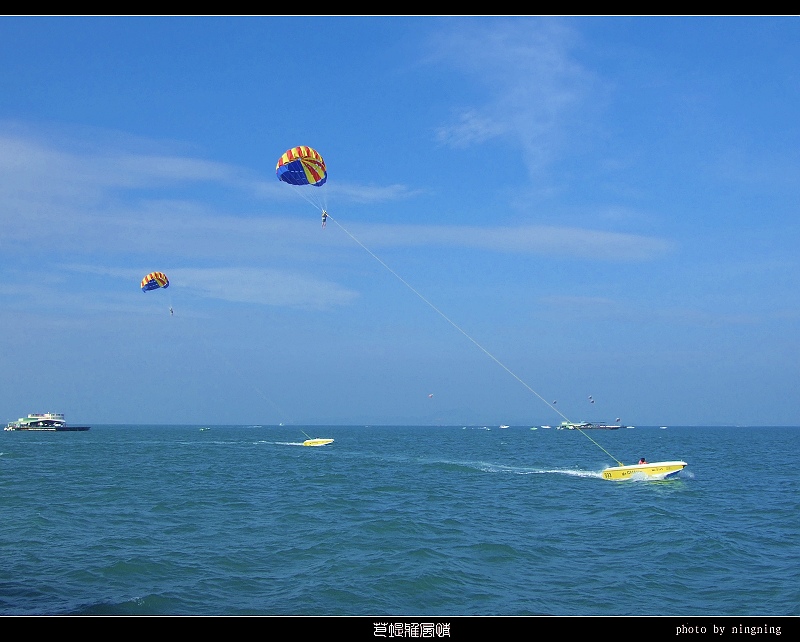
{"x":525,"y":210}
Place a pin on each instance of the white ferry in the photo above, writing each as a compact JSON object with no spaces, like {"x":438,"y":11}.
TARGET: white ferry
{"x":587,"y":425}
{"x":48,"y":421}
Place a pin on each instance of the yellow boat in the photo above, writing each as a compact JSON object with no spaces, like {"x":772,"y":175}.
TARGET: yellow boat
{"x":656,"y":470}
{"x":317,"y":442}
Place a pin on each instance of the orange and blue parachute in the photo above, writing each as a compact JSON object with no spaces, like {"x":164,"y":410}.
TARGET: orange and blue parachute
{"x":155,"y":280}
{"x":302,"y":166}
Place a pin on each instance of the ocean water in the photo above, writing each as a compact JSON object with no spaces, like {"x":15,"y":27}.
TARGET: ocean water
{"x":391,"y":521}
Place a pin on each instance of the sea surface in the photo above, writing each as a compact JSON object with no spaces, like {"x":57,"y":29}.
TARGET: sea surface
{"x":398,"y":521}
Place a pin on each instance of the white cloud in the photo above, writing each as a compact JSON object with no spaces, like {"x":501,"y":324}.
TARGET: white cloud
{"x":70,"y":200}
{"x":262,"y":286}
{"x":534,"y":85}
{"x":565,"y":242}
{"x":472,"y":128}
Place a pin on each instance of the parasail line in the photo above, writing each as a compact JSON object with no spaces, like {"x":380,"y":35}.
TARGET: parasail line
{"x":303,"y":194}
{"x":462,"y":331}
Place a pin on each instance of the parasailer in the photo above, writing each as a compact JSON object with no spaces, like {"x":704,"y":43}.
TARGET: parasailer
{"x":302,"y":166}
{"x":154,"y":280}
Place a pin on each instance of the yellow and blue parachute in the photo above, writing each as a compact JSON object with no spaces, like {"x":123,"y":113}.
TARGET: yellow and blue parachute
{"x":155,"y":280}
{"x":302,"y":166}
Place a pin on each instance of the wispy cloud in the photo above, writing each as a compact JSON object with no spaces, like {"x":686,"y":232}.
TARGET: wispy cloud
{"x":471,"y":127}
{"x":351,"y":193}
{"x":263,"y":286}
{"x":101,"y":286}
{"x":526,"y":239}
{"x":533,"y":84}
{"x":31,"y":165}
{"x":72,"y":200}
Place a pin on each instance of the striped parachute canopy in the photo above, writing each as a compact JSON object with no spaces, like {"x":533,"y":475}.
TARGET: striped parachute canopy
{"x":155,"y":280}
{"x":302,"y":166}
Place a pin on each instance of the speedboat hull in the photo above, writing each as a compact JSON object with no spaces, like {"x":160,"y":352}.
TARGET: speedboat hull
{"x":656,"y":470}
{"x":317,"y":442}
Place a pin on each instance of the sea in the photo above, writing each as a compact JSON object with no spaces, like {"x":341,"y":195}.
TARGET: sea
{"x":390,"y":528}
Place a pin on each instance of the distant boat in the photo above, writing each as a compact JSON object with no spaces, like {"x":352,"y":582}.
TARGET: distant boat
{"x":44,"y":421}
{"x":587,"y":425}
{"x":656,"y":470}
{"x":546,"y":426}
{"x":204,"y":429}
{"x":534,"y":427}
{"x":663,"y":427}
{"x":504,"y":426}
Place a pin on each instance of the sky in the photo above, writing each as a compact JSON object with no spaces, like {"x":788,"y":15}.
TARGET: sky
{"x":533,"y":219}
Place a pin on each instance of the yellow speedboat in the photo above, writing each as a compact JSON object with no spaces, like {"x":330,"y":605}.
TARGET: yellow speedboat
{"x":317,"y":442}
{"x":655,"y":470}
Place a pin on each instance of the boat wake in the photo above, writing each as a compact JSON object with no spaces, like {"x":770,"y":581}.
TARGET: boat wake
{"x":587,"y":474}
{"x":487,"y":467}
